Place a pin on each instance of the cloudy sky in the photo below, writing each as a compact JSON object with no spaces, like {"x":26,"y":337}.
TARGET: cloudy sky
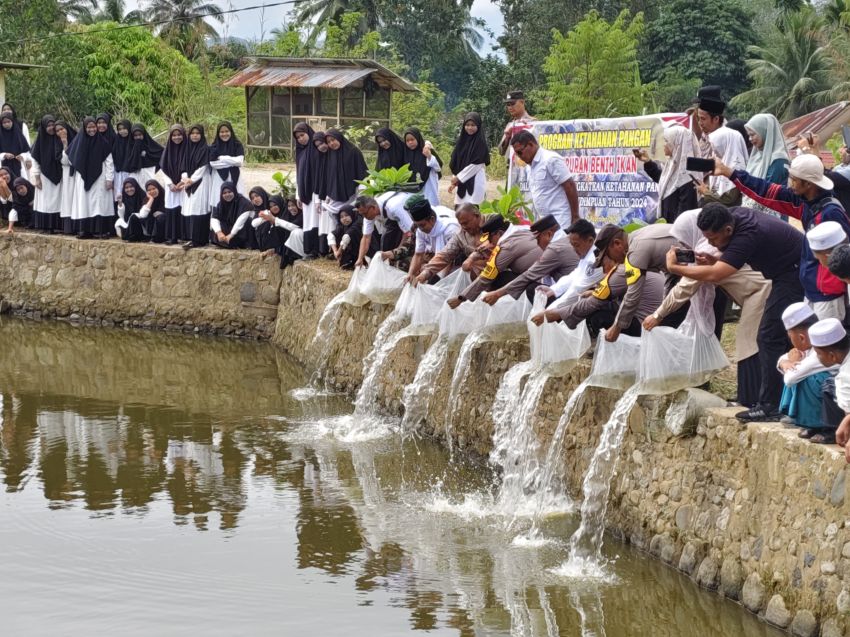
{"x":251,"y":25}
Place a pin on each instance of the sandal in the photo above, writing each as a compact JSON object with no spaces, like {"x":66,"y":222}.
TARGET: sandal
{"x":823,"y":438}
{"x":807,"y":433}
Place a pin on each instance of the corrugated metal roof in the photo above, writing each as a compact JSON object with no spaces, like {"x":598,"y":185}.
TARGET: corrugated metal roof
{"x":316,"y":73}
{"x":823,"y":122}
{"x":263,"y":75}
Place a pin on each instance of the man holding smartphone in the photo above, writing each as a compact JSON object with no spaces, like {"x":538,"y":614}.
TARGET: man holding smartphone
{"x":770,"y":246}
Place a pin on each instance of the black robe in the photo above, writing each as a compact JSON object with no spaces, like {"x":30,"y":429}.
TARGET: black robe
{"x":468,"y":150}
{"x":344,"y":167}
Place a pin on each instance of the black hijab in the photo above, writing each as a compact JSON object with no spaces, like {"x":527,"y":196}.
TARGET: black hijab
{"x":121,"y":146}
{"x":469,"y":149}
{"x":304,"y":160}
{"x":297,"y":218}
{"x":418,"y":162}
{"x":12,"y":141}
{"x":158,"y":204}
{"x":87,"y":154}
{"x":22,"y":200}
{"x":173,"y":160}
{"x":257,"y":190}
{"x":319,"y":167}
{"x":197,"y":155}
{"x":134,"y":203}
{"x":110,"y":133}
{"x":231,"y":148}
{"x":143,"y":153}
{"x":392,"y":157}
{"x":344,"y":166}
{"x":47,"y":151}
{"x":72,"y":134}
{"x":228,"y":212}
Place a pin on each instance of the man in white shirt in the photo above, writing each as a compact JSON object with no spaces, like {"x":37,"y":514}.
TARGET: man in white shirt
{"x":387,"y":213}
{"x":553,"y":190}
{"x":435,"y":226}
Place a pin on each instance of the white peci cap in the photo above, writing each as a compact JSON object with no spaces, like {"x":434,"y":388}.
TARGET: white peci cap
{"x":826,"y":235}
{"x":826,"y":332}
{"x":795,"y":314}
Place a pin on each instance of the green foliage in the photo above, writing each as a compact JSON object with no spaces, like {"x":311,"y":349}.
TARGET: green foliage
{"x":486,"y":96}
{"x":285,"y":185}
{"x":183,"y":23}
{"x":700,"y":39}
{"x":792,"y":72}
{"x":593,"y":71}
{"x":378,"y":182}
{"x":510,"y":205}
{"x":425,"y":109}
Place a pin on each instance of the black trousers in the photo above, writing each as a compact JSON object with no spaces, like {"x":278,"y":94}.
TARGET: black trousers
{"x":392,"y":236}
{"x":831,"y":413}
{"x":173,"y":224}
{"x":772,"y":338}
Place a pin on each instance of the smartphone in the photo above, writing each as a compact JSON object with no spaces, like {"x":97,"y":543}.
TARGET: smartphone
{"x":700,"y":165}
{"x":845,"y":132}
{"x":685,"y":256}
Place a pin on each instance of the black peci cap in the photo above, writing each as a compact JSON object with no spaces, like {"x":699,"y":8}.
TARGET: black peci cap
{"x":544,"y":223}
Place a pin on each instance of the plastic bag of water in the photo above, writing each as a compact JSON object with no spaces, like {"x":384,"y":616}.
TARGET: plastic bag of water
{"x":382,"y":283}
{"x":428,"y":300}
{"x":465,"y":318}
{"x":674,"y":359}
{"x":353,"y":294}
{"x":615,"y":365}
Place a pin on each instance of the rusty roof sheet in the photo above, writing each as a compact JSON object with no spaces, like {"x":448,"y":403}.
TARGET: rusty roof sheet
{"x":315,"y":73}
{"x":827,"y":119}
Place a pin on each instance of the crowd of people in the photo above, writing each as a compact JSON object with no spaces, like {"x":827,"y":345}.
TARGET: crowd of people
{"x":724,"y":234}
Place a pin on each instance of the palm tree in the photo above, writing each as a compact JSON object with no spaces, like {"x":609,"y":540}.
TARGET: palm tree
{"x":321,"y":12}
{"x":78,"y":10}
{"x":182,"y":23}
{"x":113,"y":11}
{"x":792,"y":73}
{"x":837,"y":13}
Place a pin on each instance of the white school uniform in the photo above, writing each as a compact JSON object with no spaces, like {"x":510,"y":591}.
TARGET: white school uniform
{"x":431,"y":191}
{"x":197,"y":203}
{"x":215,"y":180}
{"x":68,"y":186}
{"x":96,"y":201}
{"x":143,"y":176}
{"x":48,"y":198}
{"x":477,"y":171}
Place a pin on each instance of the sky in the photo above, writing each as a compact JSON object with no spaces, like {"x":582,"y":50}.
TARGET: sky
{"x":248,"y":24}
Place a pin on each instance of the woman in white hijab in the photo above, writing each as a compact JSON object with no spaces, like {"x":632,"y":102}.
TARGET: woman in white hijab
{"x":676,"y":186}
{"x":769,"y":159}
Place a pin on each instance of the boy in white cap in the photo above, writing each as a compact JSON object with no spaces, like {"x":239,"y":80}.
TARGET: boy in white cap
{"x":823,"y":239}
{"x":802,"y":373}
{"x":810,"y":199}
{"x":829,"y":340}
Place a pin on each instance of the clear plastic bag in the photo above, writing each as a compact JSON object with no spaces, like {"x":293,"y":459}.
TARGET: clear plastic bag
{"x":615,"y":365}
{"x":353,"y":294}
{"x":535,"y":334}
{"x":428,"y":300}
{"x":382,"y":283}
{"x":404,"y":306}
{"x":507,"y":316}
{"x":674,"y":359}
{"x":465,"y":318}
{"x":559,"y":345}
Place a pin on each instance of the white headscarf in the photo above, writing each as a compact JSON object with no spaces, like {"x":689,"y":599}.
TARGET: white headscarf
{"x":686,"y":232}
{"x":682,"y":145}
{"x":701,"y":313}
{"x":729,"y":145}
{"x":768,"y":128}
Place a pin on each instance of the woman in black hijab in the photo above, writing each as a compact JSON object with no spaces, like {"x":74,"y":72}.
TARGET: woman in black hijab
{"x":196,"y":216}
{"x":345,"y":166}
{"x":120,"y":154}
{"x":47,"y":177}
{"x":346,"y":237}
{"x":470,"y":156}
{"x":230,"y":225}
{"x":227,"y":156}
{"x":66,"y":134}
{"x":104,"y":127}
{"x":143,"y":156}
{"x":130,"y":204}
{"x":91,"y":157}
{"x":425,"y":164}
{"x":311,"y":213}
{"x":173,"y":166}
{"x":13,"y":144}
{"x":23,"y":195}
{"x":6,"y":181}
{"x":390,"y":149}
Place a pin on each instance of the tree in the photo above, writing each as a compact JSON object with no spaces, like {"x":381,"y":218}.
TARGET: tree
{"x":593,"y":71}
{"x":792,"y":73}
{"x":324,"y":12}
{"x":22,"y":23}
{"x":699,"y":39}
{"x":79,"y":10}
{"x":114,"y":11}
{"x":837,"y":13}
{"x":184,"y":23}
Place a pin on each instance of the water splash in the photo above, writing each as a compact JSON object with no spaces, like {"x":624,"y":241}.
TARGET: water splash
{"x":586,"y":542}
{"x":389,"y":335}
{"x":321,"y":343}
{"x":459,"y":376}
{"x":417,"y":395}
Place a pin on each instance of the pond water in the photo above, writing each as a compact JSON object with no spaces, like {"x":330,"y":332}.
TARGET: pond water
{"x":162,"y":485}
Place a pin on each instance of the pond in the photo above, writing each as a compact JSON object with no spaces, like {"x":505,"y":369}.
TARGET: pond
{"x":161,"y":485}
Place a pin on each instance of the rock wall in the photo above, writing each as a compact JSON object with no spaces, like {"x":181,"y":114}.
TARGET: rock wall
{"x":140,"y":285}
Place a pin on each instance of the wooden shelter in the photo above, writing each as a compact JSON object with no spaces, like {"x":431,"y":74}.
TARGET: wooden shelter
{"x":324,"y":92}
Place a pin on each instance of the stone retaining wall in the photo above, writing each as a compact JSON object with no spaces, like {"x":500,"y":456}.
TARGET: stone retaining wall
{"x":140,"y":285}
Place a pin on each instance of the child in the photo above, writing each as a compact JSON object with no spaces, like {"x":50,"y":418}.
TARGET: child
{"x":824,"y":238}
{"x":344,"y":241}
{"x":803,"y":374}
{"x":829,"y":340}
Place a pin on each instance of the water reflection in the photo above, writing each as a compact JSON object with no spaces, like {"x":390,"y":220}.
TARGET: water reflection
{"x":172,"y":467}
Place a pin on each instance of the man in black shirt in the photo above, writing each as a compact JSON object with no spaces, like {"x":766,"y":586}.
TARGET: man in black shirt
{"x":770,"y":246}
